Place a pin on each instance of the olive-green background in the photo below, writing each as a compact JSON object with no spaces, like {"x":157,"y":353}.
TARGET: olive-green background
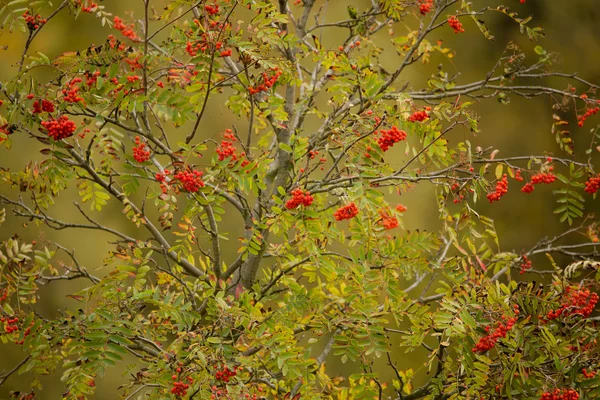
{"x":520,"y":128}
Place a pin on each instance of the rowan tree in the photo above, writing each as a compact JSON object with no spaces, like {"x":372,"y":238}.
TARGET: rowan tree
{"x":327,"y":145}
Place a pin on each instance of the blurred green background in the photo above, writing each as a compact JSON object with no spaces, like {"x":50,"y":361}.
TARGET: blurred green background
{"x":519,"y":128}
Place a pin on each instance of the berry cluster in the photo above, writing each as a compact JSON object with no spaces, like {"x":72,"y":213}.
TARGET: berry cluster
{"x":536,"y":179}
{"x":593,"y":184}
{"x":5,"y":130}
{"x":126,"y":31}
{"x":92,"y":78}
{"x":401,"y":208}
{"x":89,"y":6}
{"x":161,"y":177}
{"x":227,"y":149}
{"x":191,"y":181}
{"x":577,"y":302}
{"x":501,"y":189}
{"x":346,"y":212}
{"x":419,"y":116}
{"x":224,"y":374}
{"x":33,"y":21}
{"x":179,"y":388}
{"x":11,"y":324}
{"x":4,"y":295}
{"x":390,"y":137}
{"x":560,"y":394}
{"x":488,"y":342}
{"x":26,"y":333}
{"x":140,"y":154}
{"x":44,"y":105}
{"x":589,"y":112}
{"x":525,"y":264}
{"x":268,"y":82}
{"x":588,"y":375}
{"x":71,"y":93}
{"x":455,"y":24}
{"x":387,"y":221}
{"x":299,"y":197}
{"x":202,"y":45}
{"x":60,"y":128}
{"x":212,"y":10}
{"x":518,"y":176}
{"x":425,"y":6}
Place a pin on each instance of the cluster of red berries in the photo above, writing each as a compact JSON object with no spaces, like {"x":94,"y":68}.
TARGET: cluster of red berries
{"x":33,"y":21}
{"x":419,"y":116}
{"x":162,"y":177}
{"x":226,"y":53}
{"x":543,"y":178}
{"x":501,"y":190}
{"x":6,"y":130}
{"x":89,"y":6}
{"x":489,"y":341}
{"x":4,"y":295}
{"x":26,"y":333}
{"x":134,"y":62}
{"x":71,"y":93}
{"x":140,"y":154}
{"x":126,"y":31}
{"x":560,"y":394}
{"x":212,"y":9}
{"x":179,"y":388}
{"x":60,"y":128}
{"x":346,"y":212}
{"x":206,"y":39}
{"x":202,"y":45}
{"x":387,"y":221}
{"x":191,"y":181}
{"x":588,"y":375}
{"x":227,"y":149}
{"x":313,"y":153}
{"x":525,"y":265}
{"x":268,"y":81}
{"x":577,"y":302}
{"x":589,"y":112}
{"x":224,"y":374}
{"x":92,"y":78}
{"x":401,"y":208}
{"x":536,"y":179}
{"x":112,"y":42}
{"x":11,"y":324}
{"x":390,"y":137}
{"x":518,"y":176}
{"x":299,"y":197}
{"x":44,"y":105}
{"x":425,"y":6}
{"x":593,"y":184}
{"x":457,"y":196}
{"x":455,"y":24}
